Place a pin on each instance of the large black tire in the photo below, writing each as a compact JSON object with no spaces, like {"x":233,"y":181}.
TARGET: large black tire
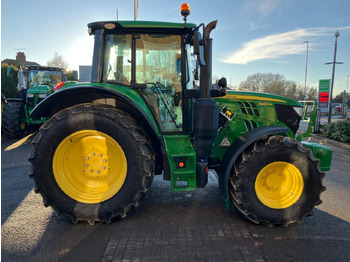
{"x":50,"y":162}
{"x":13,"y":123}
{"x":259,"y":191}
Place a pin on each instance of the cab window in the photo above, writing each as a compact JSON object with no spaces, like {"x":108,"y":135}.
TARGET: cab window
{"x":117,"y":67}
{"x":158,"y":65}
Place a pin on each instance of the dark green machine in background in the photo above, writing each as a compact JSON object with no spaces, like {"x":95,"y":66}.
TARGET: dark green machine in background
{"x":151,"y":109}
{"x":35,"y":84}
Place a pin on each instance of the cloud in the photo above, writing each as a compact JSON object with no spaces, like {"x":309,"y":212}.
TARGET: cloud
{"x":266,"y":7}
{"x":278,"y":45}
{"x":262,"y":7}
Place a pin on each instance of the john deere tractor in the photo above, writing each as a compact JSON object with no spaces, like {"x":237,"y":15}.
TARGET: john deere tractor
{"x":35,"y":84}
{"x":151,"y":109}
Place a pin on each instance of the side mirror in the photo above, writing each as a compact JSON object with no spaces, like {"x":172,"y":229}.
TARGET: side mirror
{"x":198,"y":47}
{"x":222,"y":82}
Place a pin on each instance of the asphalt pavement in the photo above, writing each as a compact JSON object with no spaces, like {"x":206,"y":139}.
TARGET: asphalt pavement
{"x":170,"y":226}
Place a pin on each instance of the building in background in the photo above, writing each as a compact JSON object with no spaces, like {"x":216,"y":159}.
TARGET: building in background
{"x":20,"y":60}
{"x":85,"y":73}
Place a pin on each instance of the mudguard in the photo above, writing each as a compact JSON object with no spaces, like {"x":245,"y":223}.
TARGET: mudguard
{"x":15,"y":100}
{"x":130,"y":102}
{"x":88,"y":93}
{"x":237,"y":148}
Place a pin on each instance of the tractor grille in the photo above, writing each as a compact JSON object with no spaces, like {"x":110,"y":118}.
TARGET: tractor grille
{"x":30,"y":101}
{"x":33,"y":101}
{"x":250,"y":124}
{"x":248,"y":108}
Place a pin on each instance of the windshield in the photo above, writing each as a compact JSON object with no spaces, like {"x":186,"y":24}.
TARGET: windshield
{"x":44,"y":77}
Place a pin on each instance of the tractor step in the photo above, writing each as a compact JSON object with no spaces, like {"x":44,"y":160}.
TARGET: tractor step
{"x":182,"y":160}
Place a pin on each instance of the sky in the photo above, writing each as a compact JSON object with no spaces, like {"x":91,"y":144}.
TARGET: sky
{"x":252,"y":36}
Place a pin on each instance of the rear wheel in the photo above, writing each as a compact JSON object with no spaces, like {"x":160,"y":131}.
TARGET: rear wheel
{"x":13,"y":123}
{"x":92,"y":163}
{"x":276,"y":181}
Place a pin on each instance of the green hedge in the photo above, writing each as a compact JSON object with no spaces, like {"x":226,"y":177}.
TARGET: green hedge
{"x":8,"y":84}
{"x":339,"y":131}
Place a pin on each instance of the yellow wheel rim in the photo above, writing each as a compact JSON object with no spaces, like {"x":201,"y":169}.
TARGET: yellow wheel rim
{"x":279,"y":185}
{"x":89,"y":166}
{"x":23,"y":125}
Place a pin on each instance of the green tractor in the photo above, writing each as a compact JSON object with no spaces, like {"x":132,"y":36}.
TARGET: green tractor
{"x":151,"y":109}
{"x":35,"y":83}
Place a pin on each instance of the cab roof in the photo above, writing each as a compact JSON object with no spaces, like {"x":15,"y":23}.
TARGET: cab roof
{"x":121,"y":26}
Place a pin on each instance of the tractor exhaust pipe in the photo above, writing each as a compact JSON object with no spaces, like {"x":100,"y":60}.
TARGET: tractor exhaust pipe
{"x":206,"y":71}
{"x":206,"y":112}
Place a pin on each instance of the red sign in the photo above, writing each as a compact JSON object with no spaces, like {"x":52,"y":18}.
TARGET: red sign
{"x":324,"y":96}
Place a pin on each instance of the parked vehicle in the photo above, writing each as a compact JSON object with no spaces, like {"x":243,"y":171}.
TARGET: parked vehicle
{"x":35,"y":84}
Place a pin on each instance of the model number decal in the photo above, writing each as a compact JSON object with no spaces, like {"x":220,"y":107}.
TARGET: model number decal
{"x":265,"y":104}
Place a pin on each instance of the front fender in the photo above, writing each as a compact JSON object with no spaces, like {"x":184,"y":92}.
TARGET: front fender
{"x":237,"y":148}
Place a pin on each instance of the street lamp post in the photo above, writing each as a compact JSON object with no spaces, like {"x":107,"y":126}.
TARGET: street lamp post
{"x":307,"y":55}
{"x":337,"y":34}
{"x":347,"y":91}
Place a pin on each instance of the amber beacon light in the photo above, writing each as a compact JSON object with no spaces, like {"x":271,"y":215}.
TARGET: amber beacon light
{"x":185,"y":11}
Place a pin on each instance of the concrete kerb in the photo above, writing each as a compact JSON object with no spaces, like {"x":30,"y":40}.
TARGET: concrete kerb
{"x":324,"y":140}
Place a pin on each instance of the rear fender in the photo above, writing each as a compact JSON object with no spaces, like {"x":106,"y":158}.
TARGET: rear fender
{"x":237,"y":148}
{"x":132,"y":104}
{"x":72,"y":96}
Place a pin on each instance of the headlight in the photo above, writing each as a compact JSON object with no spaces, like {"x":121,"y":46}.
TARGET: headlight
{"x":42,"y":95}
{"x":30,"y":95}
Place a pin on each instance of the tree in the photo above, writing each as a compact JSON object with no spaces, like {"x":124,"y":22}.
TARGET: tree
{"x":253,"y":83}
{"x":72,"y":75}
{"x":338,"y":98}
{"x":269,"y":83}
{"x":278,"y":85}
{"x":57,"y":61}
{"x":312,"y":94}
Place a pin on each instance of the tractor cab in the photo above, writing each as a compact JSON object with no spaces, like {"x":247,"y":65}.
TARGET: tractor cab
{"x":152,"y":57}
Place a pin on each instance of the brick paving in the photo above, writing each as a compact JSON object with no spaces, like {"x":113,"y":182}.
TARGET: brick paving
{"x":181,"y":226}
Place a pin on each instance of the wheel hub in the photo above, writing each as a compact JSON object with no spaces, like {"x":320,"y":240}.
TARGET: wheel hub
{"x":279,"y":185}
{"x":95,"y":163}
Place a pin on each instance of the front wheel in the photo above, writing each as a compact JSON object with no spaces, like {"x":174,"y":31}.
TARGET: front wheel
{"x":276,"y":181}
{"x":92,"y":163}
{"x":13,"y":123}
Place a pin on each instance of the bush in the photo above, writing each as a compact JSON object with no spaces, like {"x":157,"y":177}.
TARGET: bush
{"x":339,"y":131}
{"x":8,"y":83}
